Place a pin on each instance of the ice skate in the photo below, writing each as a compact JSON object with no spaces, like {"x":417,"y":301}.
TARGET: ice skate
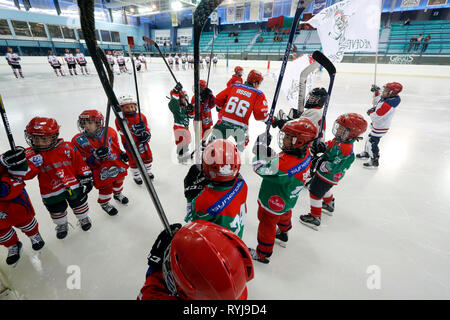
{"x":138,"y":180}
{"x":256,"y":257}
{"x":150,"y":175}
{"x":14,"y":254}
{"x":109,"y":209}
{"x":329,"y":207}
{"x":372,"y":164}
{"x":37,"y":242}
{"x":121,"y":198}
{"x":62,"y":230}
{"x":310,"y":221}
{"x":85,"y":223}
{"x":281,"y":238}
{"x":363,"y":155}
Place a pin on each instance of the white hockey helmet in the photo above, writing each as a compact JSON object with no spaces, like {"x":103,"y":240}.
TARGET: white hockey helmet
{"x":126,"y":99}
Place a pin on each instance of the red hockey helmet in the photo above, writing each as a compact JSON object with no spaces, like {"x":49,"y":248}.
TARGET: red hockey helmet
{"x":349,"y":126}
{"x":207,"y":262}
{"x":91,"y":116}
{"x":221,"y":160}
{"x":238,"y":69}
{"x":42,"y":133}
{"x":202,"y":84}
{"x":301,"y":133}
{"x":394,"y":88}
{"x":255,"y":76}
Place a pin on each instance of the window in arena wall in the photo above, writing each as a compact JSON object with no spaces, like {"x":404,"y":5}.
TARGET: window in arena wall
{"x":37,"y":30}
{"x":21,"y":28}
{"x":106,"y":36}
{"x":80,"y":34}
{"x":68,"y":32}
{"x":115,"y":36}
{"x":4,"y":28}
{"x":55,"y":31}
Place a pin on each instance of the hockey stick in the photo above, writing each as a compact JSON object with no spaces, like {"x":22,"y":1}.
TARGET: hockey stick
{"x":135,"y":79}
{"x":88,"y":27}
{"x":210,"y":59}
{"x":6,"y":124}
{"x":331,"y":69}
{"x":201,"y":14}
{"x":301,"y":6}
{"x":302,"y":84}
{"x":148,"y":40}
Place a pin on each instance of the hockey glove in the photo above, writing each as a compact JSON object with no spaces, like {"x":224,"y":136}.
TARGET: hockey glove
{"x":178,"y":88}
{"x":370,"y":111}
{"x":86,"y":182}
{"x":144,"y":136}
{"x":138,"y":128}
{"x":189,"y":108}
{"x":374,"y":88}
{"x":156,"y":255}
{"x":206,"y":95}
{"x":294,"y":114}
{"x":318,"y":148}
{"x":194,"y":182}
{"x":124,"y":156}
{"x":101,"y":153}
{"x":13,"y":158}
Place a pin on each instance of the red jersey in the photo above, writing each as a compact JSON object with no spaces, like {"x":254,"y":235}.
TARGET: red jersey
{"x":10,"y":187}
{"x":205,"y":111}
{"x":131,"y":121}
{"x":238,"y":102}
{"x":57,"y":169}
{"x":107,"y":171}
{"x":234,"y":80}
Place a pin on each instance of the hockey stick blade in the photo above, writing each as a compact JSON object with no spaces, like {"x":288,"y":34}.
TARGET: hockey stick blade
{"x":149,"y":40}
{"x":325,"y":62}
{"x":302,"y":84}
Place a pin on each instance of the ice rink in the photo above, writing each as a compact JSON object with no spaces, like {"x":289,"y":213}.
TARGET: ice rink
{"x":389,"y":237}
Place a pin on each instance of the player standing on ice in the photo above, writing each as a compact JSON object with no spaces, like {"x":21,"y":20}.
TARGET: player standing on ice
{"x":71,"y":63}
{"x":206,"y":104}
{"x":64,"y":177}
{"x":217,"y":192}
{"x":284,"y":176}
{"x":181,"y":110}
{"x":138,"y":125}
{"x":190,"y":60}
{"x":200,"y":61}
{"x":107,"y":162}
{"x":207,"y":59}
{"x":236,"y":78}
{"x":16,"y":209}
{"x":381,"y":116}
{"x":235,"y":104}
{"x":142,"y":59}
{"x":214,"y":60}
{"x":81,"y":60}
{"x":121,"y":62}
{"x":218,"y":269}
{"x":13,"y":60}
{"x":183,"y":61}
{"x":177,"y":60}
{"x":137,"y":63}
{"x":54,"y":62}
{"x":110,"y":58}
{"x":337,"y":157}
{"x":170,"y":60}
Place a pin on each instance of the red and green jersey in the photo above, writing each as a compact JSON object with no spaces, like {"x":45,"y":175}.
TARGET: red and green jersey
{"x":283,"y":178}
{"x":225,"y":206}
{"x":336,"y":160}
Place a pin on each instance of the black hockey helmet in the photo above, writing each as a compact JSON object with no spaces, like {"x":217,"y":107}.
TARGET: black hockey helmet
{"x":317,"y":97}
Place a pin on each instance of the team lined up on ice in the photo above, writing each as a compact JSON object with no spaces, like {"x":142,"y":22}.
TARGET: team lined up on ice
{"x":189,"y":60}
{"x":79,"y":59}
{"x":215,"y":190}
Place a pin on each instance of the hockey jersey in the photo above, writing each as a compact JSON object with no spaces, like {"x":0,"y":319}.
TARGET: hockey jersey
{"x":142,"y":59}
{"x":283,"y":178}
{"x":170,"y":60}
{"x":214,"y":59}
{"x":107,"y":171}
{"x":120,"y":60}
{"x":205,"y":110}
{"x":70,"y":59}
{"x":382,"y":115}
{"x":237,"y":102}
{"x":57,"y":170}
{"x":234,"y":80}
{"x":54,"y":61}
{"x":335,"y":161}
{"x":225,"y":206}
{"x":180,"y":115}
{"x":13,"y":59}
{"x":132,"y":120}
{"x":80,"y":58}
{"x":110,"y":58}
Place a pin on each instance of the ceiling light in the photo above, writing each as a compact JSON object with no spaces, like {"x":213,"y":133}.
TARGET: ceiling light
{"x":176,"y":5}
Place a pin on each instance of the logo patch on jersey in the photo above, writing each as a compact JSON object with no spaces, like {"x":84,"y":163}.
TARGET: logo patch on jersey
{"x":300,"y":167}
{"x":223,"y":202}
{"x":111,"y":172}
{"x":3,"y":215}
{"x":37,"y":160}
{"x":276,"y":203}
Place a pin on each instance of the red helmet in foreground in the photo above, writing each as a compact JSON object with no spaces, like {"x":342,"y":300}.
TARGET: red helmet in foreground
{"x":208,"y":262}
{"x":221,"y":161}
{"x":40,"y":128}
{"x":349,"y":126}
{"x":301,"y":132}
{"x":394,"y":88}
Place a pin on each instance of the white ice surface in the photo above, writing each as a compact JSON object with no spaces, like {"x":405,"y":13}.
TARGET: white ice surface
{"x":396,"y":217}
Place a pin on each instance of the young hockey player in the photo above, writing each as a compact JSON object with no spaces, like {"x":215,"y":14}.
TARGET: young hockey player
{"x":137,"y":64}
{"x":138,"y":125}
{"x":381,"y":116}
{"x":183,"y":61}
{"x":13,"y":60}
{"x":200,"y":61}
{"x":121,"y":62}
{"x":236,"y":104}
{"x":218,"y":269}
{"x":64,"y":177}
{"x":71,"y":62}
{"x":16,"y":209}
{"x":223,"y":199}
{"x":190,"y":59}
{"x":207,"y":59}
{"x":206,"y":104}
{"x":331,"y":167}
{"x":181,"y":110}
{"x":284,"y":176}
{"x":54,"y":62}
{"x":107,"y":162}
{"x":177,"y":60}
{"x":110,"y":58}
{"x":214,"y":60}
{"x":236,"y":78}
{"x":81,"y":60}
{"x":170,"y":60}
{"x":142,"y":59}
